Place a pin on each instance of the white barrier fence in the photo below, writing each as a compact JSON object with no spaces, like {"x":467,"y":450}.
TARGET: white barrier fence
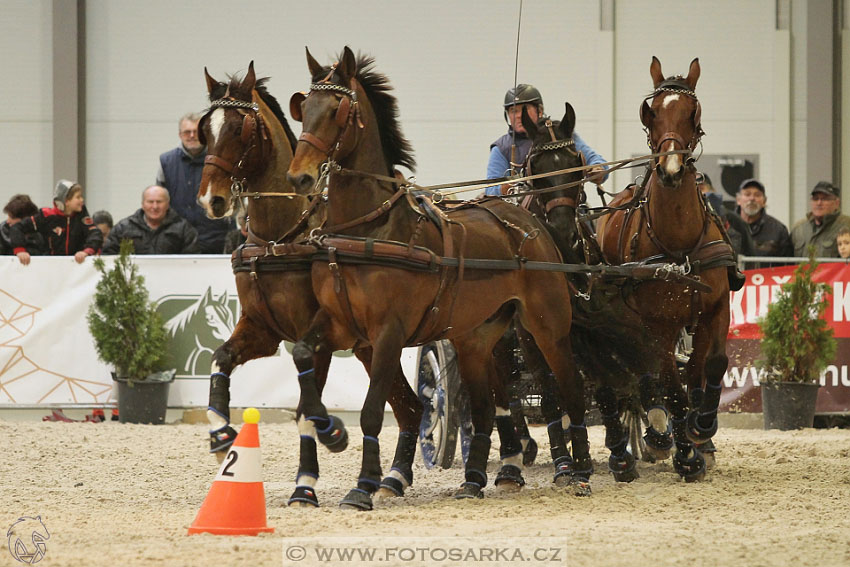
{"x":47,"y":355}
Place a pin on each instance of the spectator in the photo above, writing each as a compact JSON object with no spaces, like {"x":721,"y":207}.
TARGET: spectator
{"x":237,"y":236}
{"x":180,"y":173}
{"x":67,"y":227}
{"x":18,"y":208}
{"x":842,"y":240}
{"x":736,"y":229}
{"x":499,"y":164}
{"x":103,"y":221}
{"x":770,"y":236}
{"x":822,"y":223}
{"x":155,"y":228}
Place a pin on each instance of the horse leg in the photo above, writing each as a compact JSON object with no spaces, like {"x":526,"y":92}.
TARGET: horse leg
{"x":511,"y":450}
{"x":503,"y":353}
{"x":687,"y":461}
{"x":407,"y":410}
{"x":621,"y":463}
{"x":386,"y":352}
{"x":702,"y":419}
{"x":248,"y":341}
{"x":554,"y":343}
{"x":312,"y":358}
{"x":659,"y":434}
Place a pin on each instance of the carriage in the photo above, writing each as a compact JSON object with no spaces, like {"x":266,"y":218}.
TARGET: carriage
{"x":367,"y":260}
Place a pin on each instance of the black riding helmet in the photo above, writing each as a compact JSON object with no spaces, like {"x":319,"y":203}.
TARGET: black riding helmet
{"x":523,"y":94}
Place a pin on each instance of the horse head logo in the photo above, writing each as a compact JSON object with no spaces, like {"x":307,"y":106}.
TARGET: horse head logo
{"x":196,"y":328}
{"x":26,"y":539}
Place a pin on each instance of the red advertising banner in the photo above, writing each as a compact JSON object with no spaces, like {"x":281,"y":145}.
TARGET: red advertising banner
{"x":741,"y":390}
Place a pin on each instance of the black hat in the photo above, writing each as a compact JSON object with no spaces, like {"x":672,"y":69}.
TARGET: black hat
{"x":522,"y":94}
{"x":751,"y":183}
{"x":826,"y":187}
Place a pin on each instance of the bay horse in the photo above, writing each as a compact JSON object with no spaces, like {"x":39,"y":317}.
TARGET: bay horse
{"x":351,"y":139}
{"x":249,"y":149}
{"x":667,"y":220}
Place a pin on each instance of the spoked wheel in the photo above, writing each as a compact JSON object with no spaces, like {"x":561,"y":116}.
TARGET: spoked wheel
{"x":633,"y":419}
{"x":438,"y":385}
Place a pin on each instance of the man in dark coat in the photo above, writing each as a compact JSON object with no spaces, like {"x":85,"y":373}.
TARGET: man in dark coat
{"x":770,"y":236}
{"x":154,"y":229}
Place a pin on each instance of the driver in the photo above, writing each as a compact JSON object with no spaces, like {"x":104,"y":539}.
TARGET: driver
{"x":515,"y":145}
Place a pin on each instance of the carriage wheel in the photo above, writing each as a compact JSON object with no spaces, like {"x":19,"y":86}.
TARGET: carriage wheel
{"x":438,"y":385}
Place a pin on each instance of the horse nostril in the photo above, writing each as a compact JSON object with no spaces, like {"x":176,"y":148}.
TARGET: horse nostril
{"x":303,"y":181}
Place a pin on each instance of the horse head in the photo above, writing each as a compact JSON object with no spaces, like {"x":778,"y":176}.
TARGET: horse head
{"x":553,"y":149}
{"x":671,"y":118}
{"x":245,"y":132}
{"x":347,"y":112}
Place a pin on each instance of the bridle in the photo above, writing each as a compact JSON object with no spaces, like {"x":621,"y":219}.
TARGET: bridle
{"x":346,"y":113}
{"x":254,"y":135}
{"x":554,"y":145}
{"x":675,"y":85}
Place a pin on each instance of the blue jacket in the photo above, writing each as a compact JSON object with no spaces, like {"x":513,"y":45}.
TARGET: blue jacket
{"x":180,"y":173}
{"x":499,"y":164}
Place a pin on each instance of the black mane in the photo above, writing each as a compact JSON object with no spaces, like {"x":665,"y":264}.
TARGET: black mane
{"x":240,"y":93}
{"x":397,"y":149}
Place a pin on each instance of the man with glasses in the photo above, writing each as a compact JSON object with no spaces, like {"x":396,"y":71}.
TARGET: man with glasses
{"x":821,"y":225}
{"x":180,"y":173}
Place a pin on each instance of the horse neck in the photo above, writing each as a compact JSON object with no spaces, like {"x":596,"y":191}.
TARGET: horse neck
{"x":677,"y":214}
{"x":351,"y":196}
{"x":271,"y":217}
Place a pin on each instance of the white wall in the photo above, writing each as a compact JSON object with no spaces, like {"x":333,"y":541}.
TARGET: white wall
{"x":26,"y":98}
{"x":449,"y":61}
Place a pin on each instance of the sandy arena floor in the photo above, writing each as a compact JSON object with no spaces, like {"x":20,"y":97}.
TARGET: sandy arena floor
{"x":119,"y":494}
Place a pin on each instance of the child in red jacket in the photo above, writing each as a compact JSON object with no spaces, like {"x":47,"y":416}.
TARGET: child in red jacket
{"x":67,"y":227}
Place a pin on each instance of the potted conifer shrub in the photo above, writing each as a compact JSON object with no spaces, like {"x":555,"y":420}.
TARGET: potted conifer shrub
{"x":130,"y":336}
{"x":797,"y":345}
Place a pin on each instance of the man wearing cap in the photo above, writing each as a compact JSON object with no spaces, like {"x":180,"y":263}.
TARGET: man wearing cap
{"x":502,"y":151}
{"x":821,"y":225}
{"x":67,"y":226}
{"x":770,"y":236}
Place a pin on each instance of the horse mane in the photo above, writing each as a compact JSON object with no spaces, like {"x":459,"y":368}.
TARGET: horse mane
{"x":236,"y":90}
{"x":397,"y":149}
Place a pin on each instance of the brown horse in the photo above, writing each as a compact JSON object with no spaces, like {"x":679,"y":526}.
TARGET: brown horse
{"x":249,"y":149}
{"x":352,"y":135}
{"x":668,"y":221}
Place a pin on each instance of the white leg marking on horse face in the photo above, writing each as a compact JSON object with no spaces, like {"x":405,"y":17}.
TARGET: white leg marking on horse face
{"x":667,"y":100}
{"x":216,"y":122}
{"x":204,"y":200}
{"x":673,"y":163}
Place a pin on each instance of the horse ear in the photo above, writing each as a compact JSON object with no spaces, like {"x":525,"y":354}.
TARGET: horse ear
{"x":348,"y":64}
{"x":250,"y":78}
{"x":655,"y":72}
{"x":568,"y":122}
{"x":529,"y":124}
{"x":211,"y":83}
{"x":313,"y":65}
{"x":693,"y":74}
{"x":646,"y":114}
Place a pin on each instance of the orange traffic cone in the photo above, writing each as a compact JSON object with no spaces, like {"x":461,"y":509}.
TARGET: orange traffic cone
{"x":236,"y":503}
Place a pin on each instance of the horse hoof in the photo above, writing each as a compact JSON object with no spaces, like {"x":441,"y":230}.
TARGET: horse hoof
{"x":652,"y":455}
{"x":385,"y":493}
{"x":562,"y":479}
{"x":623,"y":467}
{"x":303,"y":497}
{"x":334,"y":436}
{"x":691,"y":469}
{"x":695,"y":432}
{"x":580,"y":486}
{"x":529,"y":453}
{"x":509,"y":478}
{"x":221,"y":439}
{"x":708,"y":450}
{"x":468,"y":490}
{"x":658,"y":445}
{"x":356,"y":499}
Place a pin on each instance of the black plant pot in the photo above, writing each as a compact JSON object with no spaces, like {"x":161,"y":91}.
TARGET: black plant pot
{"x":788,"y":405}
{"x":142,"y":402}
